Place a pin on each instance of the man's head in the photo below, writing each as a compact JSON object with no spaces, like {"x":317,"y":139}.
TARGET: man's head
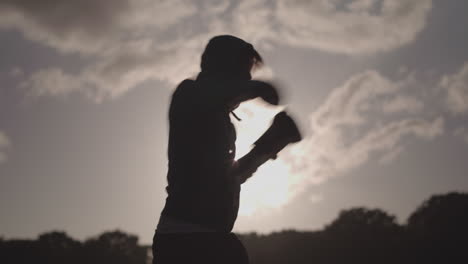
{"x":230,"y":57}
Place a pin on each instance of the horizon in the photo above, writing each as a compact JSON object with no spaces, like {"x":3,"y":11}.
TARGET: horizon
{"x":323,"y":229}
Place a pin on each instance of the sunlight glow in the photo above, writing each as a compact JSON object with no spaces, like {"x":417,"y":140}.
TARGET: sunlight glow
{"x":269,"y":188}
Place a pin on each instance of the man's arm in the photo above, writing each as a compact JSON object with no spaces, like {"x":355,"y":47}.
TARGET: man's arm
{"x":244,"y":168}
{"x":282,"y":132}
{"x":237,"y":93}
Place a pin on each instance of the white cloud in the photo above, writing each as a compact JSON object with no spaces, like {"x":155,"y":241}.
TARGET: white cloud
{"x":4,"y":143}
{"x":315,"y":198}
{"x":360,"y":26}
{"x":91,"y":26}
{"x":52,"y":81}
{"x":387,"y":138}
{"x":348,"y":130}
{"x":456,"y":86}
{"x":16,"y":72}
{"x":361,"y":5}
{"x":112,"y":76}
{"x":128,"y":42}
{"x":403,"y":104}
{"x":345,"y":104}
{"x":455,"y":97}
{"x":390,"y":156}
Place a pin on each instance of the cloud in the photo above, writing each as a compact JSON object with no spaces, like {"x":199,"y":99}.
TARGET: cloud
{"x":456,"y":87}
{"x":385,"y":138}
{"x":403,"y":104}
{"x":351,"y":27}
{"x":357,"y":123}
{"x":4,"y":143}
{"x":110,"y":77}
{"x":52,"y":81}
{"x":90,"y":26}
{"x":351,"y":128}
{"x":390,"y":156}
{"x":125,"y":42}
{"x":16,"y":72}
{"x":128,"y":42}
{"x":315,"y":198}
{"x":66,"y":25}
{"x":345,"y":104}
{"x":462,"y":133}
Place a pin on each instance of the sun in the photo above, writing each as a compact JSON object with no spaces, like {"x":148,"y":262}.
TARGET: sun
{"x":269,"y":188}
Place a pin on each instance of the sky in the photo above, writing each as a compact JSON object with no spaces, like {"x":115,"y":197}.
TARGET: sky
{"x":379,"y":89}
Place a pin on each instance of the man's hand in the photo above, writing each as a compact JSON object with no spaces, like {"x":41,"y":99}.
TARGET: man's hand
{"x":266,"y":91}
{"x":282,"y":132}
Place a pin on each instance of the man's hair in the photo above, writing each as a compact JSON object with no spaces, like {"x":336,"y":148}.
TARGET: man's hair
{"x":228,"y":55}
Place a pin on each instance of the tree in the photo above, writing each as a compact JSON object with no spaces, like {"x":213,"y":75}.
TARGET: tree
{"x":115,"y":247}
{"x":57,"y":240}
{"x":438,"y":229}
{"x":363,"y":235}
{"x":58,"y":247}
{"x":447,"y":213}
{"x":360,"y":219}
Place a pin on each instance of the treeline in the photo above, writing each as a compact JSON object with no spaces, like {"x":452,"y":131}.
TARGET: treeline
{"x":114,"y":247}
{"x":437,"y":232}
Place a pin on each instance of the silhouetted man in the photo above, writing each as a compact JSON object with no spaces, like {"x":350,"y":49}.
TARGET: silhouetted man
{"x":203,"y":177}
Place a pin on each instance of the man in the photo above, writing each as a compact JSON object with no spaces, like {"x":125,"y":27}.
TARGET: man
{"x":203,"y":177}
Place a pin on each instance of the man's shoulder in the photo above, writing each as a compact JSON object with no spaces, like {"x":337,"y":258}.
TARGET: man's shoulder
{"x":185,"y":84}
{"x":184,"y":89}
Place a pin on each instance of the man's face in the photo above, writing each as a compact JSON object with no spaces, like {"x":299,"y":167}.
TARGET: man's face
{"x":247,"y":71}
